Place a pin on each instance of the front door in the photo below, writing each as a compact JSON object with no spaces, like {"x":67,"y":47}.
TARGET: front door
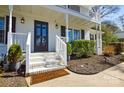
{"x":40,"y":36}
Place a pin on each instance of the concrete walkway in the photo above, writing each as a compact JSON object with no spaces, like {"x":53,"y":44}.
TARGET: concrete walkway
{"x":112,"y":77}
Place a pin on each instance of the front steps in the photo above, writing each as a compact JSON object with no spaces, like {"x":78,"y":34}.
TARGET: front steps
{"x":44,"y":62}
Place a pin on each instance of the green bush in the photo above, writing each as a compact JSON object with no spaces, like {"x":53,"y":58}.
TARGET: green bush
{"x":69,"y":49}
{"x":108,"y":38}
{"x":76,"y":45}
{"x":83,"y":48}
{"x":14,"y":53}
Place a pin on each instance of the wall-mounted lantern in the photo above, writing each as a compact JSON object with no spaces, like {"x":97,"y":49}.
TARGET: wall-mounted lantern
{"x":56,"y":25}
{"x":22,"y":20}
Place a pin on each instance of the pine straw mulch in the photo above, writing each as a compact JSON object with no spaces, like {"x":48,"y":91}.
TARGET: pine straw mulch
{"x":92,"y":65}
{"x":12,"y":79}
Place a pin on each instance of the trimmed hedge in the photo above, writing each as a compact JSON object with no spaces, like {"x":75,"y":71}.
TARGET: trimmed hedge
{"x":83,"y":48}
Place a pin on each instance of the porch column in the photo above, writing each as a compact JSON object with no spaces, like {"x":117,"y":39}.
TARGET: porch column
{"x":9,"y":39}
{"x":98,"y":40}
{"x":66,"y":22}
{"x":87,"y":35}
{"x":98,"y":34}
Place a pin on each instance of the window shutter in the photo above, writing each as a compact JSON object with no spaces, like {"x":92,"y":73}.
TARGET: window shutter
{"x":82,"y":34}
{"x":63,"y":31}
{"x":13,"y":25}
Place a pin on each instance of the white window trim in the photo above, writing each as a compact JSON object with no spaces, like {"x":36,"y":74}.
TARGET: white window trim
{"x":4,"y":30}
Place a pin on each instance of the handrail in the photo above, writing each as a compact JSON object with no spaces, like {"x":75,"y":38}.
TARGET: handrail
{"x":61,"y":49}
{"x":19,"y":33}
{"x":28,"y":51}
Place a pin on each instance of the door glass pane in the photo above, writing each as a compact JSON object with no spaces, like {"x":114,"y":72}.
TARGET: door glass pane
{"x":44,"y":32}
{"x":38,"y":41}
{"x":38,"y":31}
{"x":1,"y":29}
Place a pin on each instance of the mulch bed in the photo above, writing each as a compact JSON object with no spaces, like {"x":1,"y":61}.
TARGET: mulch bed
{"x":12,"y":79}
{"x":41,"y":77}
{"x":92,"y":65}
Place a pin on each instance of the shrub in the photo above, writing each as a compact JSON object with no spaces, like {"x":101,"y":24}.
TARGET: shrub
{"x":83,"y":48}
{"x":119,"y":47}
{"x":14,"y":53}
{"x":76,"y":45}
{"x":69,"y":49}
{"x":109,"y":50}
{"x":108,"y":37}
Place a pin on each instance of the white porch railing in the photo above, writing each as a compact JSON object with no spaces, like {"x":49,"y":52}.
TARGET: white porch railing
{"x":24,"y":40}
{"x":20,"y":38}
{"x":28,"y":52}
{"x":61,"y":49}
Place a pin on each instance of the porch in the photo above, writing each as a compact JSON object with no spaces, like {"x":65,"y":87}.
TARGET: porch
{"x":28,"y":37}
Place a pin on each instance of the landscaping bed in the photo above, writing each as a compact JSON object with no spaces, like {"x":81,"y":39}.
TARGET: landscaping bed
{"x":11,"y":79}
{"x":93,"y":64}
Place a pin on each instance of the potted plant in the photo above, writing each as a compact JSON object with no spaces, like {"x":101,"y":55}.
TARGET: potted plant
{"x":14,"y":57}
{"x":69,"y":51}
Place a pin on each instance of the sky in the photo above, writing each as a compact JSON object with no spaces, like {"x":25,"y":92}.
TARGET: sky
{"x":114,"y":17}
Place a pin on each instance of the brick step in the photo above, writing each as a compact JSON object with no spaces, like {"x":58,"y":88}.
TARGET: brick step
{"x":43,"y":69}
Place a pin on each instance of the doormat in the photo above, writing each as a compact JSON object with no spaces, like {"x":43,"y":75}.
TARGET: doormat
{"x":41,"y":77}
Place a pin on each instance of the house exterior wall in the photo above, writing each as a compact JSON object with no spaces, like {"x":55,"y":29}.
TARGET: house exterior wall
{"x":28,"y":26}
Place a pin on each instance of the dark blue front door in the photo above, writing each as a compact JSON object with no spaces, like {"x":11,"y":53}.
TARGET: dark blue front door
{"x":40,"y":36}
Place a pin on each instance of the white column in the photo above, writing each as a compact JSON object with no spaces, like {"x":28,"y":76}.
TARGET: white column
{"x":87,"y":35}
{"x":66,"y":24}
{"x":9,"y":39}
{"x":98,"y":35}
{"x":66,"y":20}
{"x":98,"y":40}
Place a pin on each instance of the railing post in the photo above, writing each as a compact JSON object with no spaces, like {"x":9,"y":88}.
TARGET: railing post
{"x":61,"y":49}
{"x":9,"y":40}
{"x":28,"y":51}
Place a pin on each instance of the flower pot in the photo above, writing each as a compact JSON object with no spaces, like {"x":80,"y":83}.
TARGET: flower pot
{"x":14,"y":66}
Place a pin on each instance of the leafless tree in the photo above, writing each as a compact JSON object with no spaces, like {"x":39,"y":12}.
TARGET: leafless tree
{"x":104,"y":10}
{"x":121,"y":21}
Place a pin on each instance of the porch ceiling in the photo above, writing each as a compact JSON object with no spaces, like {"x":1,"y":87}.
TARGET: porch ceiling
{"x":38,"y":10}
{"x":80,"y":22}
{"x":51,"y":14}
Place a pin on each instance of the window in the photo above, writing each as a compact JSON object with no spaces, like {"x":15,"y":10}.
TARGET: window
{"x":70,"y":35}
{"x":63,"y":31}
{"x":74,"y":7}
{"x":82,"y":34}
{"x":1,"y":29}
{"x":76,"y":34}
